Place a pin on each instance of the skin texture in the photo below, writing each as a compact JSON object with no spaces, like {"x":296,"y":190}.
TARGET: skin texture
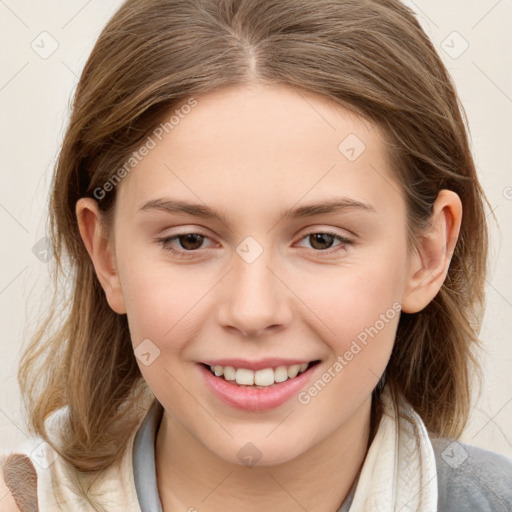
{"x":250,"y":152}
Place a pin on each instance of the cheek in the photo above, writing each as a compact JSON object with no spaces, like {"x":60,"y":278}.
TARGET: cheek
{"x":162,"y":309}
{"x":349,"y":299}
{"x":358,"y":322}
{"x":160,"y":300}
{"x":356,"y":310}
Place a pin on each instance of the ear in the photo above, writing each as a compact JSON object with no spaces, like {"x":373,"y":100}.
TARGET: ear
{"x":431,"y":259}
{"x":101,"y":250}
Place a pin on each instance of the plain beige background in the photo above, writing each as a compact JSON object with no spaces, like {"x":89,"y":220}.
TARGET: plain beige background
{"x":44,"y":48}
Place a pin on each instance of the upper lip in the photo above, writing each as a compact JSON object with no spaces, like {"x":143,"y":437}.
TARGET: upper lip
{"x":256,"y":365}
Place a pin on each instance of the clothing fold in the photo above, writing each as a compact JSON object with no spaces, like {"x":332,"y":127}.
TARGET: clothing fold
{"x":399,"y":472}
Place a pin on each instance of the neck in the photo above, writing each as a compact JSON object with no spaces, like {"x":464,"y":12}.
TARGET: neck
{"x":190,"y":477}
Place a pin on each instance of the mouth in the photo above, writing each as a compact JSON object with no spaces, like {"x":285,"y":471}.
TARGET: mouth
{"x":263,"y":378}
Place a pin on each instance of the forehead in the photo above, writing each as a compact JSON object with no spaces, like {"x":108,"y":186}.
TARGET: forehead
{"x":241,"y":145}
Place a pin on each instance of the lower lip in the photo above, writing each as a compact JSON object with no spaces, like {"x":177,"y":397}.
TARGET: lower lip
{"x":254,"y":399}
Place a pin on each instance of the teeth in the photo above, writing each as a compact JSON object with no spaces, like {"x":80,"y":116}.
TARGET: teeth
{"x":244,"y":376}
{"x":263,"y":378}
{"x":293,"y":370}
{"x":280,"y":374}
{"x":229,"y":373}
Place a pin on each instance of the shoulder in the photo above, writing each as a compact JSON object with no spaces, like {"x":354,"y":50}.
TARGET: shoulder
{"x":471,"y":478}
{"x":18,"y":484}
{"x":21,"y":468}
{"x":7,"y":503}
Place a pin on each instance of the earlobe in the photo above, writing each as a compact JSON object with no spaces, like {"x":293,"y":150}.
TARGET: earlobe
{"x":431,"y":260}
{"x":101,"y":251}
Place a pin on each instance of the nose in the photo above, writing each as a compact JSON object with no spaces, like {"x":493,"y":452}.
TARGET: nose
{"x":254,"y":298}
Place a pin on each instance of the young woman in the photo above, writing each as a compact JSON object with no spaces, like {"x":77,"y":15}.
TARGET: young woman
{"x":271,"y":249}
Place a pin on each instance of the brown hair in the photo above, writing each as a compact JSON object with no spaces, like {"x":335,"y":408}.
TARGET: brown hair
{"x":370,"y":56}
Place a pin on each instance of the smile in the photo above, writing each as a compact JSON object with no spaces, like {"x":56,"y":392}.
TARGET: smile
{"x":258,"y":389}
{"x":259,"y":378}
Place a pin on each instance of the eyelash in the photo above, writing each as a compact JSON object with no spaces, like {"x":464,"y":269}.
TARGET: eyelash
{"x":164,"y":242}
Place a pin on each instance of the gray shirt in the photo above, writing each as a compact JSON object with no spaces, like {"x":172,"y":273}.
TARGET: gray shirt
{"x":469,"y":478}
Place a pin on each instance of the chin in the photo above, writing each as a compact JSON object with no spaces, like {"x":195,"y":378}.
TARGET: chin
{"x":263,"y":453}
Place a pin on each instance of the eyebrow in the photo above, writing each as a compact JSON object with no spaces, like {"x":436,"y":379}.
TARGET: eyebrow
{"x":339,"y":204}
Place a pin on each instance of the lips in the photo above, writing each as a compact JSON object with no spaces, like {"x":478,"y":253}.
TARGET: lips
{"x":256,"y":397}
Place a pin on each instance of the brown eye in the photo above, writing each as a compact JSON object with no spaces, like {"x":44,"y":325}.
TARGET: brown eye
{"x":183,"y":244}
{"x":190,"y":241}
{"x":321,"y":241}
{"x":325,"y":243}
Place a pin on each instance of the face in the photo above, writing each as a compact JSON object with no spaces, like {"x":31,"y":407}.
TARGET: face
{"x":270,"y":281}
